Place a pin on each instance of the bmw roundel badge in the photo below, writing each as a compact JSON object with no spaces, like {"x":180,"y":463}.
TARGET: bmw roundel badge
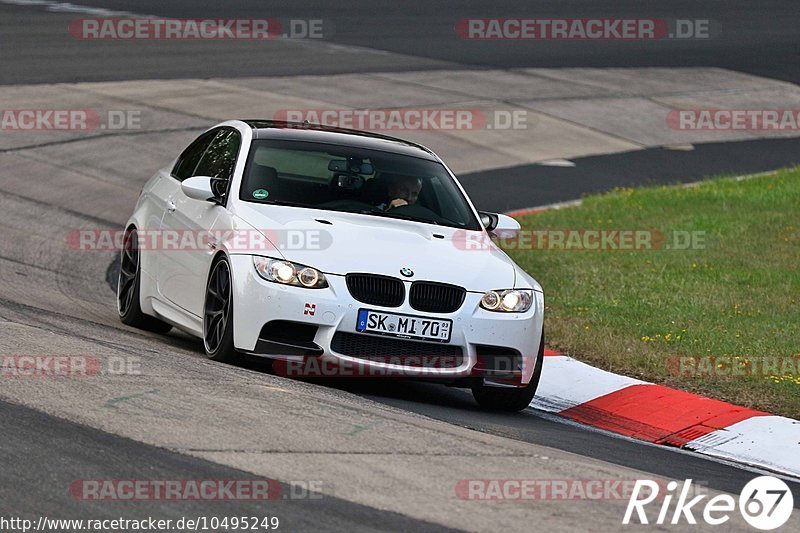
{"x":407,"y":272}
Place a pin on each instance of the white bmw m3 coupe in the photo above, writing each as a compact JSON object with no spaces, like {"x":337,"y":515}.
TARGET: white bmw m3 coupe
{"x":326,"y":248}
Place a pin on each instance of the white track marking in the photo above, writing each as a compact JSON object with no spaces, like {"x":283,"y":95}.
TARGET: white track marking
{"x":566,"y":382}
{"x":67,"y":7}
{"x":769,"y":441}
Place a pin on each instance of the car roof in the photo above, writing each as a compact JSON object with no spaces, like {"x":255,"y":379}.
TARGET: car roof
{"x":296,"y":131}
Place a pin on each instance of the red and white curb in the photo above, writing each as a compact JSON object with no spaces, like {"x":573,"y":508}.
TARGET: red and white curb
{"x":661,"y":415}
{"x":531,"y":210}
{"x":670,"y":417}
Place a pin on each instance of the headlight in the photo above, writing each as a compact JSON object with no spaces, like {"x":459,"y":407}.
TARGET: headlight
{"x":288,"y":273}
{"x":508,"y":300}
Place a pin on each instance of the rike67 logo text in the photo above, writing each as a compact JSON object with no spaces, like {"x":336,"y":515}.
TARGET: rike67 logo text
{"x":765,"y":503}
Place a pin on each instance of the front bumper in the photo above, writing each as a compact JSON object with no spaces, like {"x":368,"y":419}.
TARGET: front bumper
{"x":333,"y":309}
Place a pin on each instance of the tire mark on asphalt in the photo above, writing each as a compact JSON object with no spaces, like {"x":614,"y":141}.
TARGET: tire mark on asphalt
{"x":153,"y":107}
{"x":65,"y":210}
{"x":93,"y":137}
{"x":33,"y":312}
{"x":355,"y":452}
{"x":48,"y":161}
{"x":358,"y":428}
{"x":55,"y":271}
{"x":31,"y":265}
{"x":112,"y":403}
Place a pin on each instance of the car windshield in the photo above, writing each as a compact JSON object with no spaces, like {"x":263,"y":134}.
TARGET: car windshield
{"x":354,"y":180}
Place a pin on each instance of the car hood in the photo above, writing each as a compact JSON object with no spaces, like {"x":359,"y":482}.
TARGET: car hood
{"x":340,"y":243}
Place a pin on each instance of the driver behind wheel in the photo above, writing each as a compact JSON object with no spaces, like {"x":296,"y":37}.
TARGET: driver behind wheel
{"x":402,"y":190}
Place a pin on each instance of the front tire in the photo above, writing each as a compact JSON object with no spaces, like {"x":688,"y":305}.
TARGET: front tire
{"x":129,"y":288}
{"x":507,"y":399}
{"x":218,"y":314}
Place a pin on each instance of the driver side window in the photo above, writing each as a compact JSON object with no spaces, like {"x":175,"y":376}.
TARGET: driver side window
{"x":220,"y":159}
{"x":188,"y":160}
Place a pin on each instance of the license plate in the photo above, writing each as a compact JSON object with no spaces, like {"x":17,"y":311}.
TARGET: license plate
{"x":404,"y":326}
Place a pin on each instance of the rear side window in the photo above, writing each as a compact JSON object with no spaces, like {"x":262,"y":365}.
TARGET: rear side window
{"x":188,"y":160}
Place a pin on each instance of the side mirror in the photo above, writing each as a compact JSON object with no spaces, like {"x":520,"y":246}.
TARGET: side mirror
{"x":488,"y":220}
{"x":198,"y":187}
{"x":501,"y":225}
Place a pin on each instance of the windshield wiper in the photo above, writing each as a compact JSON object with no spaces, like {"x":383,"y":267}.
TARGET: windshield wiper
{"x":376,"y":211}
{"x":288,"y":204}
{"x":389,"y":214}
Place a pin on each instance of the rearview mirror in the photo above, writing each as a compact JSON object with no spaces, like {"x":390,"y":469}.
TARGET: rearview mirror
{"x":351,"y":165}
{"x":198,"y":187}
{"x":349,"y":181}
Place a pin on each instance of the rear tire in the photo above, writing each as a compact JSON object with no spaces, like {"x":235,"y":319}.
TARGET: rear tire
{"x":218,"y":314}
{"x":128,"y":288}
{"x":507,"y":399}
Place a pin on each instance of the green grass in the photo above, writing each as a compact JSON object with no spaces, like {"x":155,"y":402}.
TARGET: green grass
{"x":630,"y":311}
